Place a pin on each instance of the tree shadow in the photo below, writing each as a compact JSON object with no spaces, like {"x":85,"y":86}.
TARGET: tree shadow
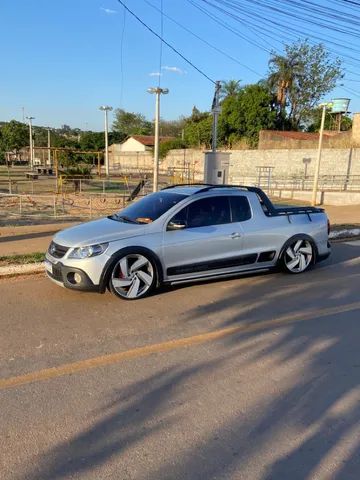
{"x":307,"y":430}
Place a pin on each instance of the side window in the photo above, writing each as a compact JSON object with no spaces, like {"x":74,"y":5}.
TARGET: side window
{"x":180,"y":217}
{"x":240,"y":208}
{"x":208,"y":211}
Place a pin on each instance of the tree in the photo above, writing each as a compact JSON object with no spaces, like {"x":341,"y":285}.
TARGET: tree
{"x":315,"y":120}
{"x":301,"y":78}
{"x":92,"y":141}
{"x":244,"y":115}
{"x":168,"y":145}
{"x":197,"y":129}
{"x":230,"y":88}
{"x":129,"y":123}
{"x":172,"y":128}
{"x":15,"y":135}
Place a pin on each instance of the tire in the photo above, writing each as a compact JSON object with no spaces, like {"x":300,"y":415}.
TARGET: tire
{"x":133,"y":276}
{"x":298,"y":256}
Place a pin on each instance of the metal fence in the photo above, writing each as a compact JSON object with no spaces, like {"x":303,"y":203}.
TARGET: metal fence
{"x":301,"y":183}
{"x":60,"y":206}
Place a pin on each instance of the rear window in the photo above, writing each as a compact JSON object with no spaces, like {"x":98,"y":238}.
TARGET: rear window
{"x":240,"y":208}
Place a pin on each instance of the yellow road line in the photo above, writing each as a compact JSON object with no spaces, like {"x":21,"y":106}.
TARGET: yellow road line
{"x":112,"y":358}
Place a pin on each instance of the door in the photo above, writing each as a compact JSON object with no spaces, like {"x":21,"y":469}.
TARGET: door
{"x":204,"y":239}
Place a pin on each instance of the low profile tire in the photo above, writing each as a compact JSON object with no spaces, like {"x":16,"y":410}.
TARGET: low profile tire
{"x":298,"y":256}
{"x":133,"y":276}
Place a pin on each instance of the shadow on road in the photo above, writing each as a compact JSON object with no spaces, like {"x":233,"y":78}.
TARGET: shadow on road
{"x":306,"y":430}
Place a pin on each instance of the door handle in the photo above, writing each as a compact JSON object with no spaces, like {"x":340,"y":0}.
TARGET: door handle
{"x":235,"y":235}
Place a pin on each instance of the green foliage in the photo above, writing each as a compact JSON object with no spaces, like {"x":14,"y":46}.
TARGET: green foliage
{"x":172,"y":128}
{"x":92,"y":141}
{"x":14,"y":136}
{"x":129,"y":123}
{"x":165,"y":147}
{"x":245,"y":114}
{"x":314,"y":121}
{"x":197,"y":130}
{"x":301,"y":78}
{"x":230,"y":88}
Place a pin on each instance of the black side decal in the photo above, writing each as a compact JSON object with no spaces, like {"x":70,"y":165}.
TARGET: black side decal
{"x":266,"y":256}
{"x":213,"y":265}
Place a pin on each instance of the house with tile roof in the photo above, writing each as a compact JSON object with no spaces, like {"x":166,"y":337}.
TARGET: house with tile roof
{"x":140,"y":143}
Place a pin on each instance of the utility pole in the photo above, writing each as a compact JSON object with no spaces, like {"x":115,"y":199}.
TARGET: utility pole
{"x":216,"y":109}
{"x":49,"y":146}
{"x":318,"y":160}
{"x":106,"y":109}
{"x":31,"y":142}
{"x":157,"y":91}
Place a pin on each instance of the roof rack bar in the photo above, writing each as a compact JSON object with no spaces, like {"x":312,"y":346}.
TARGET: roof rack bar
{"x":187,"y":185}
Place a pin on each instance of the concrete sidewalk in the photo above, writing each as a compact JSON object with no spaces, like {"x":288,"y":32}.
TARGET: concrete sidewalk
{"x":18,"y":240}
{"x":22,"y":239}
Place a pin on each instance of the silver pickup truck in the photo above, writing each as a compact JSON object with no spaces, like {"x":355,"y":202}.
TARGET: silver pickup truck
{"x":185,"y":233}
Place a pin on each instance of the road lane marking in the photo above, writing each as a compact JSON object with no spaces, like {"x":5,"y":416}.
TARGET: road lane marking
{"x":103,"y":360}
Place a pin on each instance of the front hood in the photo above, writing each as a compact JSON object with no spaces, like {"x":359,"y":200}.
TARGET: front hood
{"x":97,"y":231}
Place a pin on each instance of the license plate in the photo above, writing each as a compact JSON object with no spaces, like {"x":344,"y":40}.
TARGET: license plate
{"x":48,"y":266}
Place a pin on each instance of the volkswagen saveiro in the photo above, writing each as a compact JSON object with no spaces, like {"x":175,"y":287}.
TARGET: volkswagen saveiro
{"x":187,"y":233}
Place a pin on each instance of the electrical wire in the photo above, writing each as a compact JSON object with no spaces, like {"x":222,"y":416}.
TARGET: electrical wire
{"x":230,"y":57}
{"x":167,"y":43}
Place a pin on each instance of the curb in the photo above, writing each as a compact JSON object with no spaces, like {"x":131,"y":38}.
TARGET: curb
{"x":344,"y":234}
{"x":15,"y":270}
{"x":32,"y":268}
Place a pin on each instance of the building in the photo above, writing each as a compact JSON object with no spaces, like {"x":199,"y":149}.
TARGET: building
{"x":135,"y":153}
{"x":139,"y":143}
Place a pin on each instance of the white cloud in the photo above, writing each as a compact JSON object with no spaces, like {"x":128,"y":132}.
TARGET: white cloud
{"x":108,"y":11}
{"x":155,"y":74}
{"x":174,"y":70}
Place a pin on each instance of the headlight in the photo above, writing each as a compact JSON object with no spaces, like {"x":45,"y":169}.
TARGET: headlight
{"x":89,"y":251}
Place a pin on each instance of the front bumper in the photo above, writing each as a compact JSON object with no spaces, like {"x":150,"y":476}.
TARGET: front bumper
{"x":70,"y":277}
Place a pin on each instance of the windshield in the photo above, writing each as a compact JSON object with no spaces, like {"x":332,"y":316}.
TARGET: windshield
{"x":149,"y":208}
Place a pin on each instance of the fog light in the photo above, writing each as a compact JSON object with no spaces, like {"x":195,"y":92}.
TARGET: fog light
{"x":77,"y":278}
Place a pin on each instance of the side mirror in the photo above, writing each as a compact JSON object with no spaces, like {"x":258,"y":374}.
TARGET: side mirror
{"x":176,"y":225}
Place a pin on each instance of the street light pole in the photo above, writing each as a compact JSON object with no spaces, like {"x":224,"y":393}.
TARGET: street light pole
{"x":318,"y":160}
{"x":31,"y":142}
{"x":49,"y":145}
{"x":158,"y":91}
{"x":106,"y":109}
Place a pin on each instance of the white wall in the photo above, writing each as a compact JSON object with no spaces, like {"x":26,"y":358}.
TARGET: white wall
{"x":131,"y":145}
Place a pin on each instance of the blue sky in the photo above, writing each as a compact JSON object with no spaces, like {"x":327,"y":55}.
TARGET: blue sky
{"x":61,"y":60}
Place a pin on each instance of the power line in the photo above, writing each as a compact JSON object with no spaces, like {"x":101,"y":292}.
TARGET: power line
{"x":166,"y":43}
{"x":230,"y":57}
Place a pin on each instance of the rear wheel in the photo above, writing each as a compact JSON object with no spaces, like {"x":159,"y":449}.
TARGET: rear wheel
{"x":298,"y":256}
{"x":133,"y":276}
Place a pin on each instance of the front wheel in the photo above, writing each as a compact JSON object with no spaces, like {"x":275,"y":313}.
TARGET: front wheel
{"x":298,"y":256}
{"x":133,"y":276}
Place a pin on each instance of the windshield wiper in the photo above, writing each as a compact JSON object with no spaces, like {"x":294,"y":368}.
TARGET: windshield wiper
{"x":124,"y":218}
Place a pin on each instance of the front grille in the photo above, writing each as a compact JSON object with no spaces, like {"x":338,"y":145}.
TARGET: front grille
{"x":56,"y":250}
{"x":56,"y":273}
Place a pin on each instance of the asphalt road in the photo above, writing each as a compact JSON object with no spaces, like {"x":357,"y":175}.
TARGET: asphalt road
{"x":253,"y":378}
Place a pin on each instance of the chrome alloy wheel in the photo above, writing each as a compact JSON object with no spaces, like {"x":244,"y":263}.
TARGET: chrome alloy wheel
{"x":133,"y":276}
{"x":298,"y":256}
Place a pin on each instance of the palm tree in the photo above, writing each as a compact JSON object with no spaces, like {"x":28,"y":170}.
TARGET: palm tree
{"x":283,"y":74}
{"x":230,"y":88}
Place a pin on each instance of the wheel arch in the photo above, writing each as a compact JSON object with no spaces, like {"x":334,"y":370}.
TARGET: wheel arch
{"x":294,"y":238}
{"x":115,"y":257}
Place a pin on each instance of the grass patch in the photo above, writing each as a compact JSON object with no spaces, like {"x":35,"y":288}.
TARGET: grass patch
{"x":22,"y":259}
